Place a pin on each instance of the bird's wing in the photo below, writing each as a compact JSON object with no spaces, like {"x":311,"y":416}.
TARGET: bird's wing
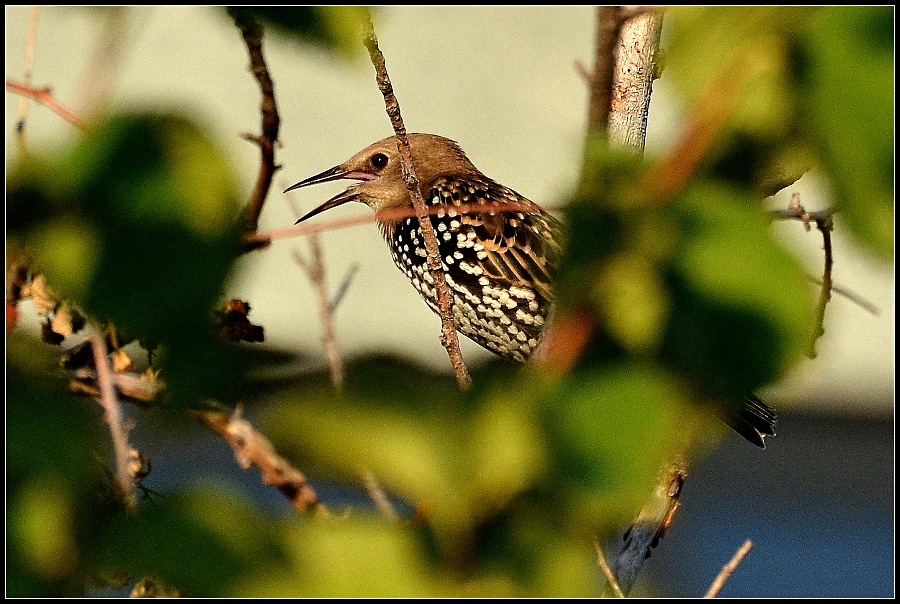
{"x":513,"y":239}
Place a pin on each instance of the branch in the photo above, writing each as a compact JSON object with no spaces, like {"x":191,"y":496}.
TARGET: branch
{"x":315,"y":271}
{"x":253,"y":33}
{"x":728,"y":569}
{"x":390,"y":215}
{"x":378,"y":496}
{"x":601,"y":81}
{"x":45,"y":97}
{"x":651,"y":524}
{"x":635,"y":70}
{"x":26,"y":77}
{"x":449,"y":338}
{"x":610,"y":577}
{"x":113,"y":415}
{"x":253,"y":449}
{"x":825,"y":224}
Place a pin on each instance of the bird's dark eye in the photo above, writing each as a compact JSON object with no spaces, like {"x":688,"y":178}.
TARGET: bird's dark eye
{"x":379,"y":160}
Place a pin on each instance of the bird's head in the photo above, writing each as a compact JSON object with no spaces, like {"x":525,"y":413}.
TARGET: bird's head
{"x":379,"y":171}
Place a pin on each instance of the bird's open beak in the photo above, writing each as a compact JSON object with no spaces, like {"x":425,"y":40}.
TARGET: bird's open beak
{"x":335,"y":173}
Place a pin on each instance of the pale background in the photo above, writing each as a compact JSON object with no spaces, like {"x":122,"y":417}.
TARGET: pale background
{"x":502,"y":82}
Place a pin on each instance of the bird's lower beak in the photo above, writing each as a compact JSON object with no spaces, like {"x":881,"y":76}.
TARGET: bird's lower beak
{"x":335,"y":173}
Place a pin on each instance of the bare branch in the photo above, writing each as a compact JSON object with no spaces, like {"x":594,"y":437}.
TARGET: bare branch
{"x":253,"y":449}
{"x":635,"y":70}
{"x":650,"y":525}
{"x":45,"y":97}
{"x":113,"y":415}
{"x":728,"y":569}
{"x":252,"y":33}
{"x":608,"y":24}
{"x":378,"y":496}
{"x":601,"y":562}
{"x":315,"y":272}
{"x":449,"y":338}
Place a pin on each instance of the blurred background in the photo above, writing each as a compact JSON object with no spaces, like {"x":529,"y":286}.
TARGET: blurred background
{"x":502,"y":81}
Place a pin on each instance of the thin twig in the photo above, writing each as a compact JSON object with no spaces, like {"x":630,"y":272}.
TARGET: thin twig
{"x":45,"y":97}
{"x":378,"y":496}
{"x":601,"y":562}
{"x":315,"y":272}
{"x":252,"y":33}
{"x":253,"y":449}
{"x":391,"y":215}
{"x":26,"y":77}
{"x":449,"y":338}
{"x":824,"y":225}
{"x":113,"y":414}
{"x":728,"y":569}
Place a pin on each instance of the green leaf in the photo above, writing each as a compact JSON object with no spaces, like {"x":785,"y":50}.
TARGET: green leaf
{"x":848,"y":77}
{"x":742,"y":309}
{"x":336,"y":28}
{"x":200,"y":543}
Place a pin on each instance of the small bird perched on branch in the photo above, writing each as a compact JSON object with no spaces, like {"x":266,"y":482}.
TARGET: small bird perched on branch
{"x":498,"y":250}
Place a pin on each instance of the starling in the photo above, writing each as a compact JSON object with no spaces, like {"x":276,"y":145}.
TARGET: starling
{"x":498,"y":250}
{"x":497,"y":260}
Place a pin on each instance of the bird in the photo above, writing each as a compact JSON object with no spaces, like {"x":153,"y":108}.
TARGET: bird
{"x":498,"y":249}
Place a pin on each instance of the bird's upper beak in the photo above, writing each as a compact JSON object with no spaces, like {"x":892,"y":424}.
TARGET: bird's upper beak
{"x":335,"y":173}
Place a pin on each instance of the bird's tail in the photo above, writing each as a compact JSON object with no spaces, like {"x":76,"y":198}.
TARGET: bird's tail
{"x":754,"y":420}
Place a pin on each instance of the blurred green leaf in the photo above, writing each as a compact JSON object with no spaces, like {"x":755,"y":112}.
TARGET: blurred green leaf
{"x":142,"y":233}
{"x":847,"y":74}
{"x":200,"y":542}
{"x":347,"y":558}
{"x":336,"y":28}
{"x":613,"y":431}
{"x":53,"y":478}
{"x":742,"y":307}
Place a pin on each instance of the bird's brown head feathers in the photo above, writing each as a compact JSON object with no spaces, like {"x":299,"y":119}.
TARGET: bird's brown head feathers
{"x":378,"y":168}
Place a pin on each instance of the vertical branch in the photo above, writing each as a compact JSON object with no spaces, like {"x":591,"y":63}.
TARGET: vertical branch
{"x":449,"y":338}
{"x":635,"y":70}
{"x":315,"y":271}
{"x":252,"y":33}
{"x":824,"y":225}
{"x":728,"y":569}
{"x":601,"y":82}
{"x":113,"y":414}
{"x":625,"y":54}
{"x":26,"y":78}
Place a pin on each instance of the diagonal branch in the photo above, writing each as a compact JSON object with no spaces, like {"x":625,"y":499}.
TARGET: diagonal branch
{"x":449,"y":338}
{"x":44,"y":96}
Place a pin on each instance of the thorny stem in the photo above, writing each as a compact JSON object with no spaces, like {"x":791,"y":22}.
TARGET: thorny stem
{"x":449,"y":338}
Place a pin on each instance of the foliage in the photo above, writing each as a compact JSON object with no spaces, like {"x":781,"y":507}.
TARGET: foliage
{"x":512,"y":481}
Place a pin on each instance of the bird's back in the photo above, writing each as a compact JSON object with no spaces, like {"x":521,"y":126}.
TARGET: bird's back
{"x":498,"y":251}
